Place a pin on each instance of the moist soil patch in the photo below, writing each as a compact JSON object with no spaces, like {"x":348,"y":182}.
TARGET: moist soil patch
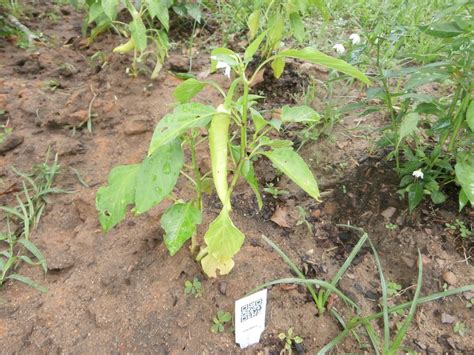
{"x":122,"y":293}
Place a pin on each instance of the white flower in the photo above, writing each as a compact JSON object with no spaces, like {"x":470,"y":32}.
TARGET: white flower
{"x":339,"y":48}
{"x":355,"y":38}
{"x":223,"y":65}
{"x":418,"y":174}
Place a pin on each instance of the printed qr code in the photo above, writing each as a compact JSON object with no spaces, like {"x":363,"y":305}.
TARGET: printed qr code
{"x":250,"y":310}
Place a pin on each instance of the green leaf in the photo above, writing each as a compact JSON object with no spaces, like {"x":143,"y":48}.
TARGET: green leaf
{"x":223,"y":55}
{"x":27,"y":281}
{"x":157,"y":175}
{"x":223,"y":239}
{"x":470,"y":116}
{"x":184,"y":117}
{"x":299,"y":114}
{"x":320,"y":4}
{"x":35,"y":251}
{"x":297,"y":26}
{"x":112,"y":200}
{"x":179,"y":222}
{"x":443,"y":30}
{"x":188,"y":89}
{"x":248,"y":173}
{"x":408,"y":126}
{"x":278,"y":66}
{"x":314,"y":56}
{"x":253,"y":47}
{"x":258,"y":121}
{"x":253,"y":22}
{"x":110,"y":8}
{"x":415,"y":195}
{"x":138,"y":31}
{"x":293,"y":166}
{"x":276,"y":26}
{"x":194,"y":10}
{"x":463,"y":200}
{"x":95,"y":11}
{"x":159,"y":9}
{"x":437,"y":197}
{"x":465,"y":175}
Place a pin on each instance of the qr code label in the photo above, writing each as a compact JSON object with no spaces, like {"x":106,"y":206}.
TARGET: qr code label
{"x":250,"y":310}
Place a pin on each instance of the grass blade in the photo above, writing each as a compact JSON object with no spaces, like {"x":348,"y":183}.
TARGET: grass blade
{"x":383,"y":285}
{"x":27,"y":281}
{"x":294,"y":280}
{"x":406,"y":324}
{"x":35,"y":251}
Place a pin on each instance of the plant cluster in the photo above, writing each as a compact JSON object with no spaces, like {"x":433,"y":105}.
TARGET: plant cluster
{"x":146,"y":30}
{"x":15,"y":244}
{"x":237,"y":133}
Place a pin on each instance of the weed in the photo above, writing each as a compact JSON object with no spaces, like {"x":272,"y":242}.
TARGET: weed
{"x":460,"y":227}
{"x":193,"y":287}
{"x":393,"y":288}
{"x":302,"y":218}
{"x":275,"y":191}
{"x":460,"y":328}
{"x":15,"y":245}
{"x":220,"y":320}
{"x":290,"y":340}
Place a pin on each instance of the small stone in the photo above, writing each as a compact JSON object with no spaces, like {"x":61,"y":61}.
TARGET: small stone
{"x":389,"y":212}
{"x":421,"y":345}
{"x":371,"y":295}
{"x":447,"y":318}
{"x":450,"y":278}
{"x":11,"y":142}
{"x":316,"y":213}
{"x":222,"y":286}
{"x":425,"y":259}
{"x":134,"y":127}
{"x":330,"y":208}
{"x":468,"y":295}
{"x":408,"y":261}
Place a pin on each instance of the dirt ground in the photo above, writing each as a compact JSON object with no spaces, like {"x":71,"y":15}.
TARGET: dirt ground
{"x":122,"y":293}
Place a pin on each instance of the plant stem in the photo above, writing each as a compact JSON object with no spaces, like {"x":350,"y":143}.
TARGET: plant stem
{"x":458,"y":121}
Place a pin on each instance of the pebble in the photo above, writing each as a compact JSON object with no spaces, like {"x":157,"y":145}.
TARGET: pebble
{"x":11,"y":142}
{"x":222,"y":286}
{"x":447,"y":318}
{"x":389,"y":212}
{"x":450,"y":278}
{"x":134,"y":127}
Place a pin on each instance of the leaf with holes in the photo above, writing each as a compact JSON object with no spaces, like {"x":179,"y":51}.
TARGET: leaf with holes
{"x":157,"y":175}
{"x":179,"y":222}
{"x":293,"y":166}
{"x":112,"y":200}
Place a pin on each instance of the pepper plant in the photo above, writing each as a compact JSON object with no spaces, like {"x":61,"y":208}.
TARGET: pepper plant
{"x":237,"y":135}
{"x":147,"y":31}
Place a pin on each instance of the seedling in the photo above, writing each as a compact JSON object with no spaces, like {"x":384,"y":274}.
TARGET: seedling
{"x":302,"y":218}
{"x":193,"y":287}
{"x":458,"y":226}
{"x":237,"y":134}
{"x":290,"y":341}
{"x":391,"y":226}
{"x":275,"y":191}
{"x":220,"y":320}
{"x":393,"y":288}
{"x":460,"y":328}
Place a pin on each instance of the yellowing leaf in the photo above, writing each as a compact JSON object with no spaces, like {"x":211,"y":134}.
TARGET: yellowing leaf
{"x":210,"y":266}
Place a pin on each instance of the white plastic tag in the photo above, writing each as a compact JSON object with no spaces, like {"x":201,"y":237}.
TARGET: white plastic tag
{"x":250,"y":318}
